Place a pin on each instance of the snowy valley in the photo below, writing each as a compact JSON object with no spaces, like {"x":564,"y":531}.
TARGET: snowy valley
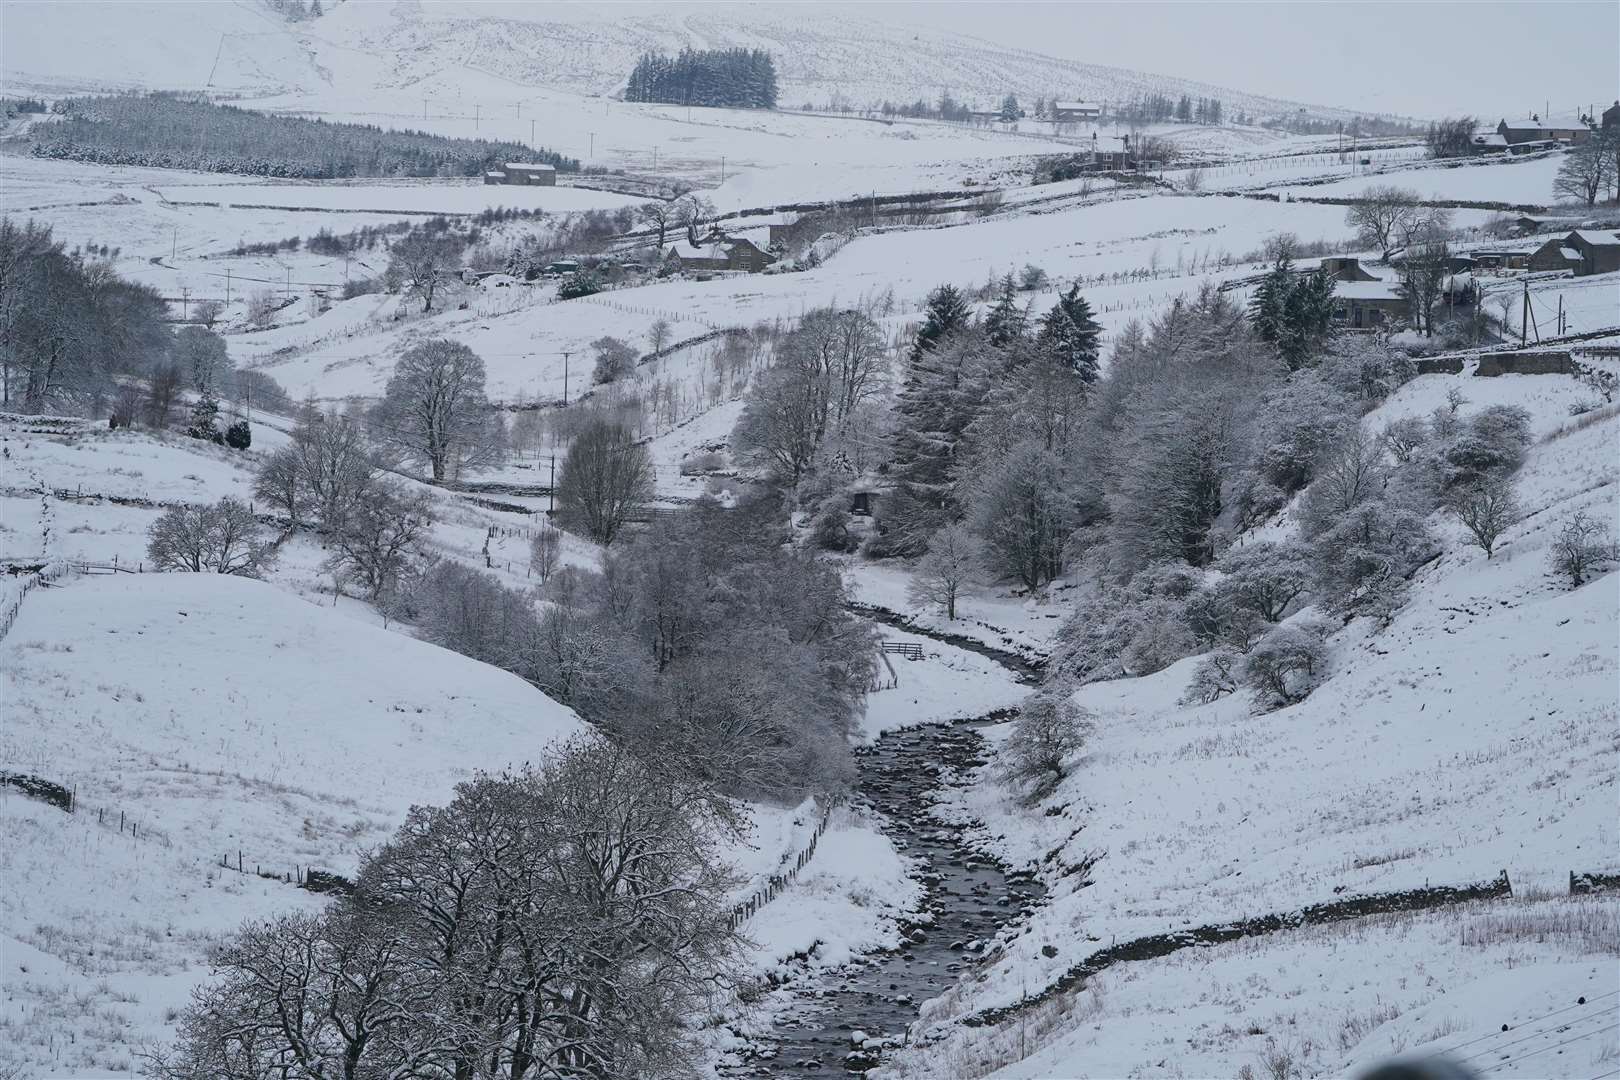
{"x":1092,"y":574}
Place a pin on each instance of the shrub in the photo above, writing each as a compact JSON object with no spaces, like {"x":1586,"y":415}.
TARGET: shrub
{"x":239,"y":436}
{"x":1215,"y":676}
{"x":577,"y":285}
{"x":830,"y":529}
{"x":1583,"y":548}
{"x":1486,"y":508}
{"x":360,"y":286}
{"x":1286,"y":666}
{"x":1049,"y":729}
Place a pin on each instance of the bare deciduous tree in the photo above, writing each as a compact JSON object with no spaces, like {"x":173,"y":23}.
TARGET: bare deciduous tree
{"x":434,"y":410}
{"x":949,"y":566}
{"x":1588,"y":169}
{"x":1486,"y":508}
{"x":219,"y":539}
{"x":380,"y":537}
{"x":1583,"y":548}
{"x":692,"y":212}
{"x":545,"y":551}
{"x":659,"y":215}
{"x":322,"y":474}
{"x":604,"y":478}
{"x":421,"y":264}
{"x":1381,"y":215}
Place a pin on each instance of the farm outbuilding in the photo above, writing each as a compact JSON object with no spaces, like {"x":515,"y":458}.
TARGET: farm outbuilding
{"x":1599,"y":251}
{"x":1555,"y":254}
{"x":1366,"y":305}
{"x":1065,"y":112}
{"x":530,"y":174}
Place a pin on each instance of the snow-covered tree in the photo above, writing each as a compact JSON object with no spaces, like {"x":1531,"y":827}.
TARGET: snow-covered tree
{"x":604,"y":478}
{"x":434,"y":411}
{"x":1049,"y":730}
{"x":218,"y":539}
{"x":950,"y":565}
{"x":1023,"y":515}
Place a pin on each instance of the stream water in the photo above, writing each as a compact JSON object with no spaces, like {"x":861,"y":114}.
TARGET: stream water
{"x":968,"y":899}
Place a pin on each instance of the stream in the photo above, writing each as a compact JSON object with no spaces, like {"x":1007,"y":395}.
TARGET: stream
{"x":968,"y":899}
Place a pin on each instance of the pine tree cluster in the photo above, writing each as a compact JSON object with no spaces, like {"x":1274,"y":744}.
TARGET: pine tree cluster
{"x":721,"y":78}
{"x":1293,"y":311}
{"x":170,"y":132}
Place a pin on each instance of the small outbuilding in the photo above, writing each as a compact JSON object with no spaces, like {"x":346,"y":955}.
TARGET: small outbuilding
{"x":494,"y":176}
{"x":1555,"y":254}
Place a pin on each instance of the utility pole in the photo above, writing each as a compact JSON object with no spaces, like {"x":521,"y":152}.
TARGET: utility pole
{"x":289,"y":283}
{"x":722,"y":168}
{"x":655,"y":159}
{"x":551,"y":489}
{"x":174,"y":241}
{"x":424,"y":108}
{"x":531,"y":133}
{"x":476,"y":111}
{"x":227,"y":287}
{"x":1524,"y":316}
{"x":185,"y":303}
{"x":565,"y":377}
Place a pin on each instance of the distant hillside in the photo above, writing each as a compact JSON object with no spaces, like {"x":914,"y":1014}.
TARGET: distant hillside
{"x":586,"y":49}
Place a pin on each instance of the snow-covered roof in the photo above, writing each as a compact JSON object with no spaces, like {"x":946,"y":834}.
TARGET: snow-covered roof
{"x":1570,"y":253}
{"x":1368,"y":290}
{"x":494,"y":172}
{"x":531,"y":166}
{"x":716,"y":250}
{"x":786,"y":217}
{"x":1552,"y":123}
{"x":1490,"y":138}
{"x":1077,"y":106}
{"x":1598,"y":239}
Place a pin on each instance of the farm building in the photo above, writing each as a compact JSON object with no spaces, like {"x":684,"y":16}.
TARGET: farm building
{"x":1068,"y":112}
{"x":1365,"y":305}
{"x":1569,"y":129}
{"x":718,"y":252}
{"x":528,"y":174}
{"x":1555,"y":254}
{"x":1599,"y":251}
{"x":1502,"y":258}
{"x":1611,"y":116}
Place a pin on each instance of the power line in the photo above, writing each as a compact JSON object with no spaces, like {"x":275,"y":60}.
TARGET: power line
{"x":1532,"y":1020}
{"x":1544,"y":1049}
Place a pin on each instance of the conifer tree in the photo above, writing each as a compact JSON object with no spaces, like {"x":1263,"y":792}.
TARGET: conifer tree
{"x":1005,"y":322}
{"x":947,"y":313}
{"x":1070,"y":333}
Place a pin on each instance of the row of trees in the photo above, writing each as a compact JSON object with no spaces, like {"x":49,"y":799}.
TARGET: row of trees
{"x":182,"y":132}
{"x":723,"y":78}
{"x":565,"y":920}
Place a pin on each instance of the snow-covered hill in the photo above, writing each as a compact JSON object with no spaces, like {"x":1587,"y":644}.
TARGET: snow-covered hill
{"x":215,"y":715}
{"x":582,"y":48}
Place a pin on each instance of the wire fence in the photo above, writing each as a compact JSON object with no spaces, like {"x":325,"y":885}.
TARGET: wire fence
{"x":776,"y":884}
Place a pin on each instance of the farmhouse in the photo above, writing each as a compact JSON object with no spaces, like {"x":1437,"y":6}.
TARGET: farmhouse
{"x":529,"y":174}
{"x":1611,"y":116}
{"x":718,"y":252}
{"x":1341,"y":268}
{"x":1599,"y":251}
{"x":1366,"y":305}
{"x":1067,"y":112}
{"x":1568,"y":129}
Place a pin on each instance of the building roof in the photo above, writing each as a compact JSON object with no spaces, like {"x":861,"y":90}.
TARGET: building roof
{"x":494,"y":172}
{"x":531,"y":166}
{"x":1597,"y":239}
{"x":1368,"y":290}
{"x":1570,"y":253}
{"x":1077,"y":106}
{"x":1491,"y":138}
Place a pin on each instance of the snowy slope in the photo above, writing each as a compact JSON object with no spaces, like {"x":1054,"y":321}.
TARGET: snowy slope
{"x":219,"y":716}
{"x":584,"y":49}
{"x":1476,"y":734}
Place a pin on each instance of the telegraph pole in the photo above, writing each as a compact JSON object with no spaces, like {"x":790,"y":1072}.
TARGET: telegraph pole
{"x":565,"y":377}
{"x":227,"y":287}
{"x":476,"y":110}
